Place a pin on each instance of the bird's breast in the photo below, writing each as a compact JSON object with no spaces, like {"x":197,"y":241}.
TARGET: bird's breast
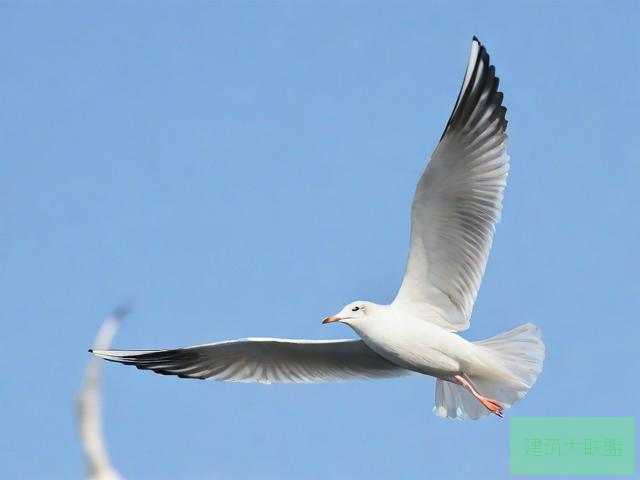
{"x":419,"y":346}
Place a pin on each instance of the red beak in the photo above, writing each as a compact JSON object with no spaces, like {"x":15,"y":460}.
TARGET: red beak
{"x":331,"y":319}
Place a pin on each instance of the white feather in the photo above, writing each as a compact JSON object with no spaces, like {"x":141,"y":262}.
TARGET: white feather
{"x":89,"y":409}
{"x":264,"y":360}
{"x":457,"y":203}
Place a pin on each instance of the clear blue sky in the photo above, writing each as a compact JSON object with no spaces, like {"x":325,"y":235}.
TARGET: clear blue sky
{"x":244,"y":169}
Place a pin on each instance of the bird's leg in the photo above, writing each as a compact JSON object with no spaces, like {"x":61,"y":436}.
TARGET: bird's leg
{"x":492,"y":405}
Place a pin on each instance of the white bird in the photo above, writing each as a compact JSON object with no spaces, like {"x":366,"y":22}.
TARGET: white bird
{"x":89,"y":411}
{"x":457,"y":204}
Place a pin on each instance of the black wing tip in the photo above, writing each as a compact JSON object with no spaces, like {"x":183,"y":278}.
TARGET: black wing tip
{"x":121,"y":311}
{"x":482,"y":52}
{"x":482,"y":57}
{"x":90,"y":350}
{"x":163,"y":371}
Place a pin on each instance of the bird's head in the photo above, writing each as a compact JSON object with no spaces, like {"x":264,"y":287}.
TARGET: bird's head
{"x":355,"y":313}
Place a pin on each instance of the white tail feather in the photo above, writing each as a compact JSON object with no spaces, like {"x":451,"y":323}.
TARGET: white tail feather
{"x":513,"y":360}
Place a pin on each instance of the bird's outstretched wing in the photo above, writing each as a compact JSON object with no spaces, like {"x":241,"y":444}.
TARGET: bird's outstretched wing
{"x":88,"y":407}
{"x":458,"y":203}
{"x":264,"y":360}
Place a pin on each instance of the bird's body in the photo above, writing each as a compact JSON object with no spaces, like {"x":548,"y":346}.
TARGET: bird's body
{"x":457,"y":203}
{"x":412,"y":342}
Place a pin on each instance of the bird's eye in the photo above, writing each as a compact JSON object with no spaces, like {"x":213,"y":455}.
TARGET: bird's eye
{"x":355,"y":309}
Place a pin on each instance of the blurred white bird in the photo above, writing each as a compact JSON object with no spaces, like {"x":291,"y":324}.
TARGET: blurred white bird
{"x":89,"y":410}
{"x":456,"y":206}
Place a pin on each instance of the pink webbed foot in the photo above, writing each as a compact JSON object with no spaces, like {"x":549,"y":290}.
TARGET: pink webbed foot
{"x":492,"y":405}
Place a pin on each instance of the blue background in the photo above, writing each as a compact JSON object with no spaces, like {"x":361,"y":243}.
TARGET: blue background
{"x":245,"y":169}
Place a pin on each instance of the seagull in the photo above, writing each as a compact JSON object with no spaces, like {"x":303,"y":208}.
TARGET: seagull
{"x":88,"y":407}
{"x":457,"y":204}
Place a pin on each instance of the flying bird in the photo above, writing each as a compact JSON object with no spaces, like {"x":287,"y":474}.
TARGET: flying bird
{"x":89,"y":411}
{"x":456,"y":206}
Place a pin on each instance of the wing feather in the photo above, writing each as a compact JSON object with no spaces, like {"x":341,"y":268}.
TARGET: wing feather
{"x":458,"y":202}
{"x":264,"y":360}
{"x":88,"y":407}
